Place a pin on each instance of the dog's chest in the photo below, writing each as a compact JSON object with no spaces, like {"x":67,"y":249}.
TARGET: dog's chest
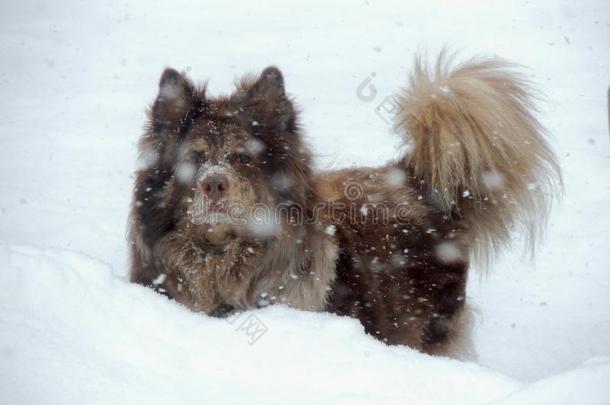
{"x":230,"y":258}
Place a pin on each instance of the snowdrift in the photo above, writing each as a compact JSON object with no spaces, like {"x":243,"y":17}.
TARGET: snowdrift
{"x":72,"y":332}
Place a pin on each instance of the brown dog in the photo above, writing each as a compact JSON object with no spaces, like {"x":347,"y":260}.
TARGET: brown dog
{"x":228,"y":214}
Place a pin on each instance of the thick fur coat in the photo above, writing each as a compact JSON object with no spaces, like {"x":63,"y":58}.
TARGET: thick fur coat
{"x":228,"y":214}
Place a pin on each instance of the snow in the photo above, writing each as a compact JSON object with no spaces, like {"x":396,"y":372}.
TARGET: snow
{"x":79,"y":334}
{"x":395,"y":178}
{"x":330,"y":230}
{"x":76,"y":77}
{"x":89,"y":336}
{"x":263,"y":222}
{"x":448,"y":252}
{"x":566,"y":388}
{"x":493,"y":180}
{"x":185,"y":172}
{"x":254,"y":146}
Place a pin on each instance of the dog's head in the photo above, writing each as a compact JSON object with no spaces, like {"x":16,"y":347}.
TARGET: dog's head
{"x":233,"y":162}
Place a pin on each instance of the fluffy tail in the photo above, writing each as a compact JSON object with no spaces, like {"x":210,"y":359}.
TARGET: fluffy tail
{"x":476,"y":144}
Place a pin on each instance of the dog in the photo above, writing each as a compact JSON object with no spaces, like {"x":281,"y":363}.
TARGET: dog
{"x":228,"y":214}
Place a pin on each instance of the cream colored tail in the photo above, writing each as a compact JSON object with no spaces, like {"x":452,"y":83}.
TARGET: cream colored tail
{"x":475,"y":142}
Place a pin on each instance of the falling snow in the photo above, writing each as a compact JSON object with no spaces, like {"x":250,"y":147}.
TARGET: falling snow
{"x":448,"y":252}
{"x":395,"y":178}
{"x":493,"y":180}
{"x":185,"y":172}
{"x":255,"y":147}
{"x":263,"y":222}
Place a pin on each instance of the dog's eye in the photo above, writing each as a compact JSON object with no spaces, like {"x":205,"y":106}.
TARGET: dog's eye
{"x":244,"y":158}
{"x":197,"y":158}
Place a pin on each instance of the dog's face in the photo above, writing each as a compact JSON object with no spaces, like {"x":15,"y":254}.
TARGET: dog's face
{"x":222,"y":165}
{"x":233,"y":160}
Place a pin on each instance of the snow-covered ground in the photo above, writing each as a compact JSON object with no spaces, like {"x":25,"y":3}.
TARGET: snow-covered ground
{"x":75,"y":79}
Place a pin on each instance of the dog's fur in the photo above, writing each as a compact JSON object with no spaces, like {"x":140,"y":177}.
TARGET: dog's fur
{"x":389,"y":245}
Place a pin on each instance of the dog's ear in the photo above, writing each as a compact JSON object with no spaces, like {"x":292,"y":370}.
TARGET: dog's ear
{"x":266,"y":102}
{"x":270,"y":83}
{"x":175,"y":99}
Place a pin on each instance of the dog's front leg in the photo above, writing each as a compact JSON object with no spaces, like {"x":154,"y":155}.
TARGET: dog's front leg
{"x":181,"y":258}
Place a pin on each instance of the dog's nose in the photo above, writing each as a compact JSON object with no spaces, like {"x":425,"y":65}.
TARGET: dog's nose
{"x":214,"y":187}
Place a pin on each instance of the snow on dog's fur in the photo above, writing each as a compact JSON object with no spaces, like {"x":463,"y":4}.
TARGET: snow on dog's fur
{"x":228,"y":215}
